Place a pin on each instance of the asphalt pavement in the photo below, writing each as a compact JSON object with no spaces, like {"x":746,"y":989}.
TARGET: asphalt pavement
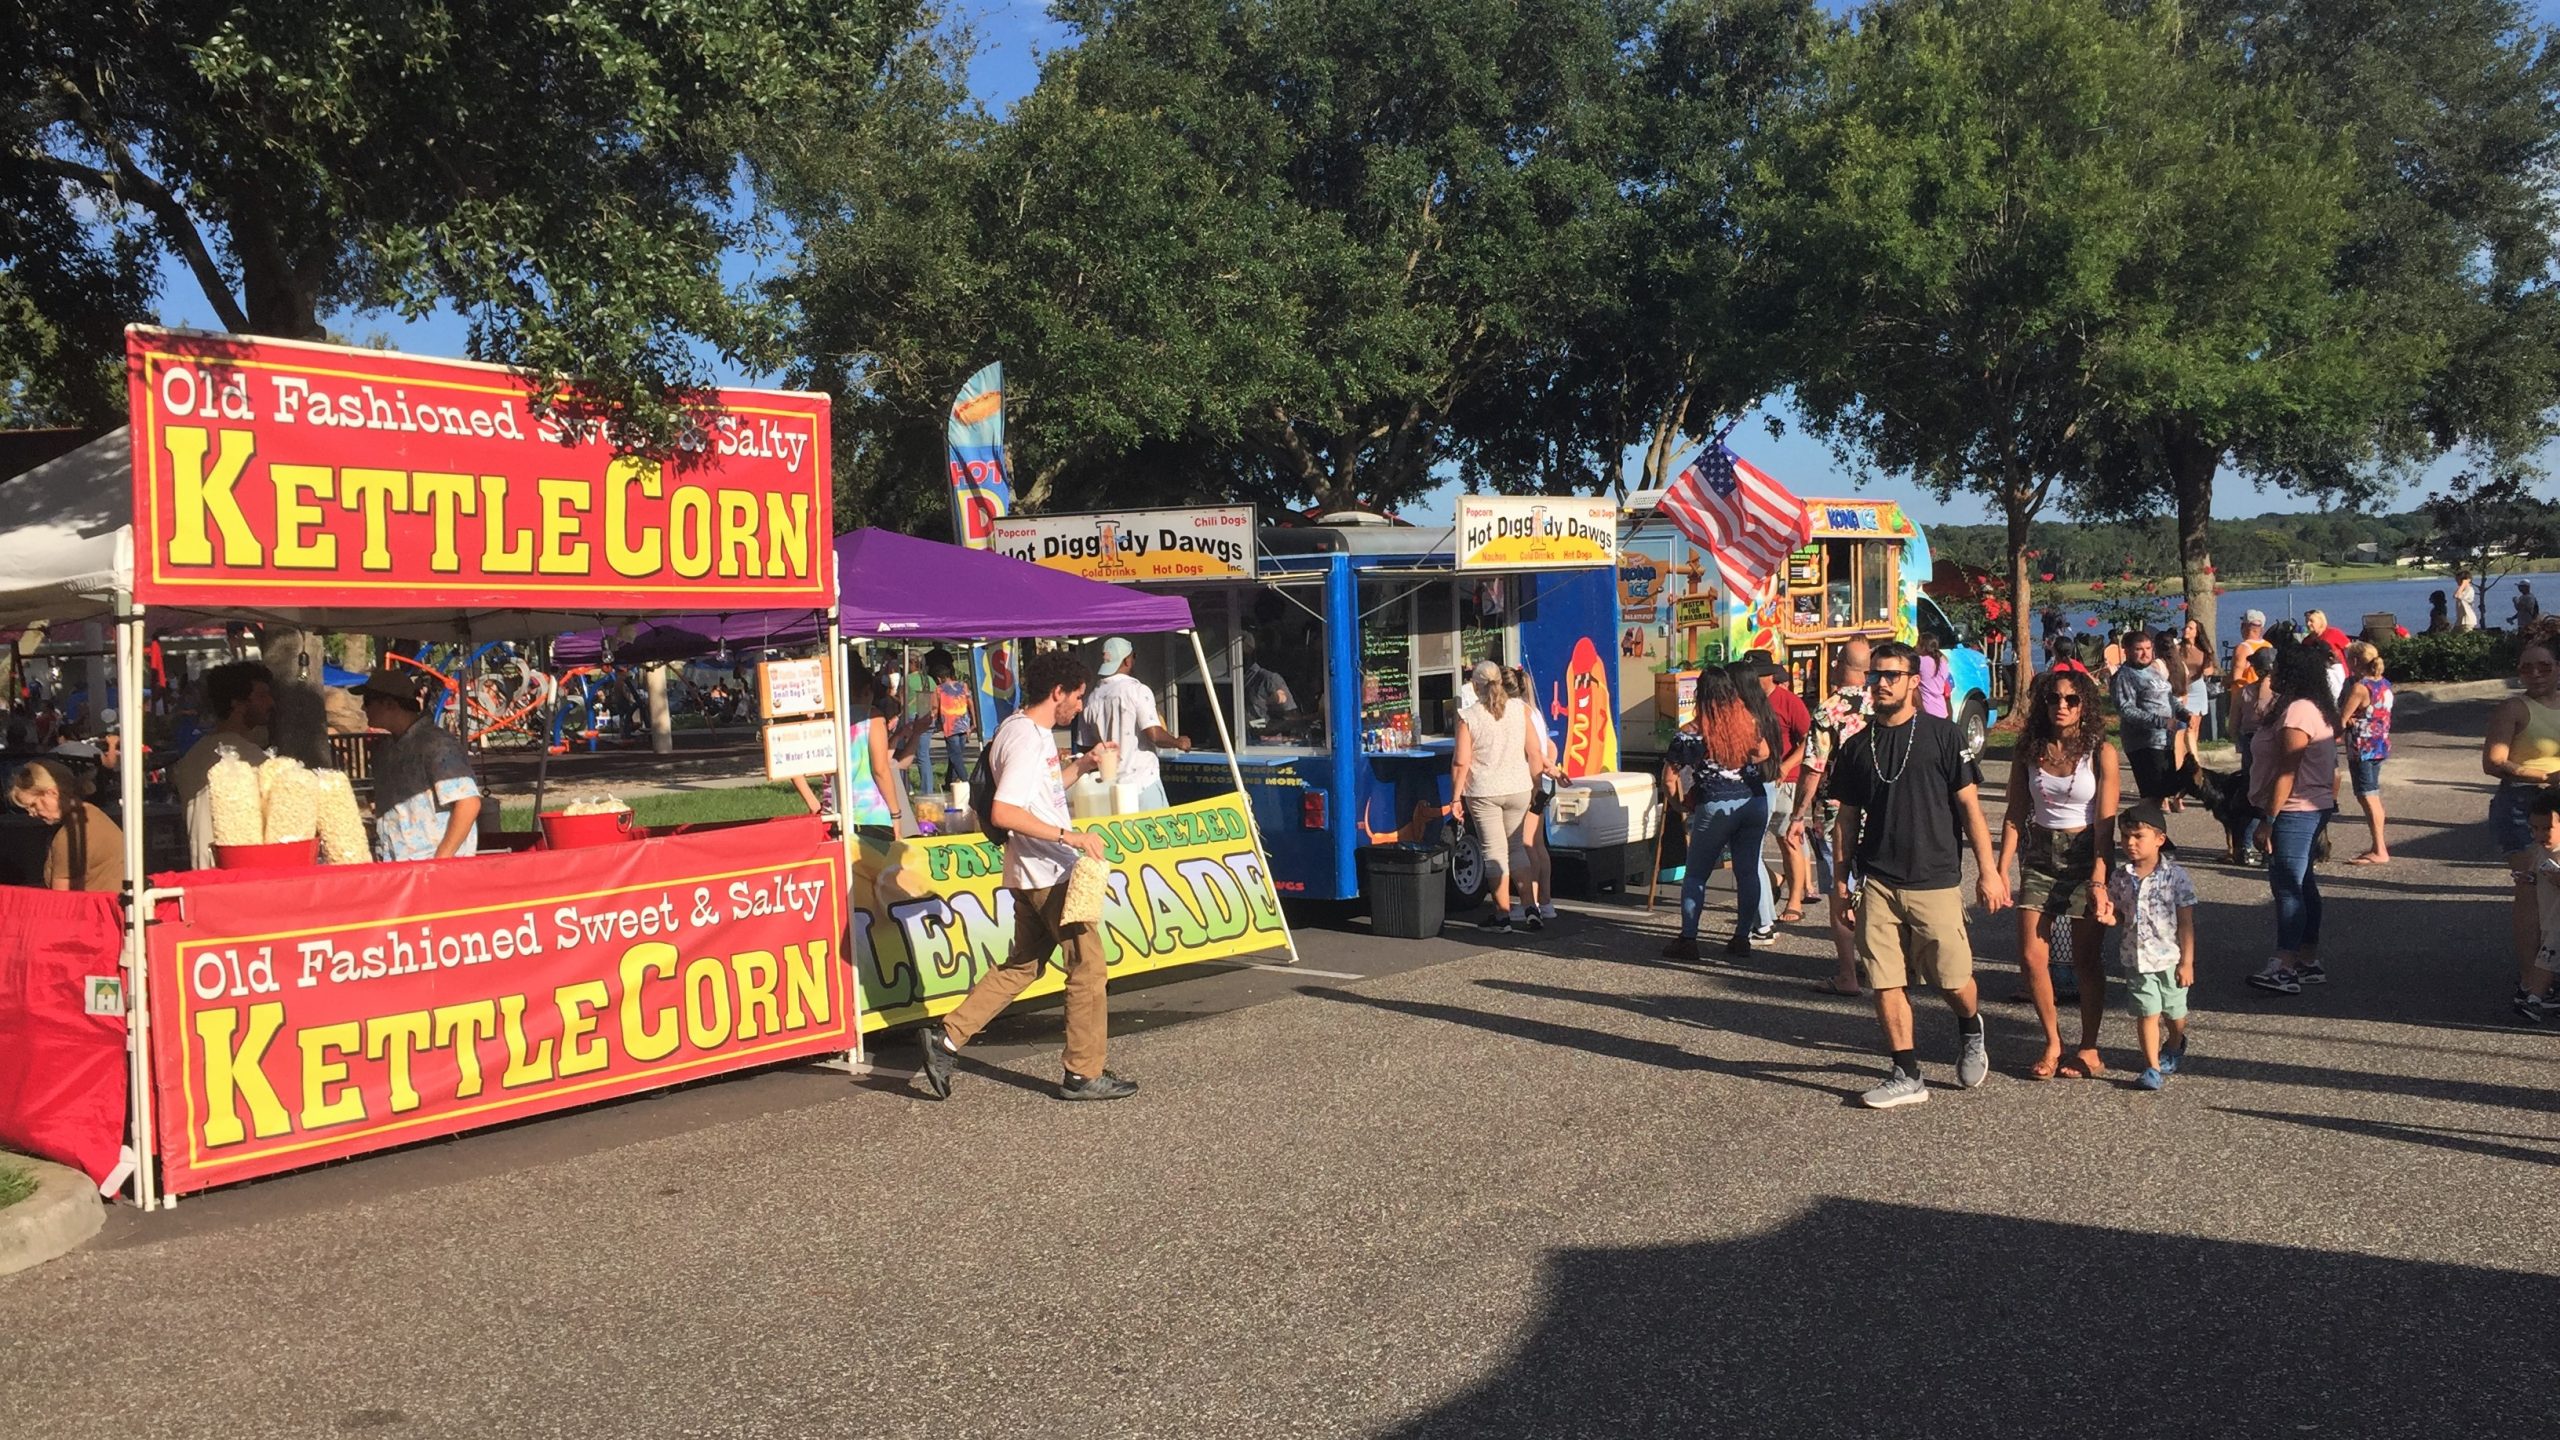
{"x":1549,"y":1187}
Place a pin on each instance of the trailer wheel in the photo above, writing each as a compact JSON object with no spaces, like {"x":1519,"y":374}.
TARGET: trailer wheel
{"x":1470,"y":879}
{"x":1976,"y":722}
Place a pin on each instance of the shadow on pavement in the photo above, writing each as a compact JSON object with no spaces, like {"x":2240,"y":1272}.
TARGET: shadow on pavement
{"x":1846,"y":1081}
{"x":1861,"y":1319}
{"x":2469,"y":1142}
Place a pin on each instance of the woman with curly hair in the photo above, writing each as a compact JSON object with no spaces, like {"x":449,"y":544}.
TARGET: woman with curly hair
{"x":2062,"y":804}
{"x":1714,"y":768}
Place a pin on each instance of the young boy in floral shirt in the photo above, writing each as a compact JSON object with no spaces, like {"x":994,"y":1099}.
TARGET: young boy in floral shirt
{"x":2153,"y":904}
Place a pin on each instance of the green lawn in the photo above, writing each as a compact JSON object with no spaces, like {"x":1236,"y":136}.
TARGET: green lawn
{"x":745,"y":802}
{"x":17,"y":1182}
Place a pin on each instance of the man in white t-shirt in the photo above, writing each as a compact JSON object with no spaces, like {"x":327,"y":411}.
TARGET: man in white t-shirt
{"x":1041,"y":846}
{"x":1123,"y":713}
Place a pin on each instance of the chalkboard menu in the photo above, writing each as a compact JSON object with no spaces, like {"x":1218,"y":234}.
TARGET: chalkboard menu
{"x":1386,"y":684}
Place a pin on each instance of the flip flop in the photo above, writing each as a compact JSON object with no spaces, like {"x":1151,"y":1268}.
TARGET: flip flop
{"x":2082,"y":1065}
{"x":1826,"y":987}
{"x":1790,"y":916}
{"x":2369,"y":858}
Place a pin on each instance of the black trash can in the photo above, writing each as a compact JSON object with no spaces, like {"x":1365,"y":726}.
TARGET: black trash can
{"x":1408,"y":889}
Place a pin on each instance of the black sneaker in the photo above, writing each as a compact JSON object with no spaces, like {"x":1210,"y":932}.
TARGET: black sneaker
{"x":939,"y":1060}
{"x":1764,"y":934}
{"x":1105,"y":1086}
{"x":2313,"y":973}
{"x":1684,"y":950}
{"x":1740,"y":944}
{"x":1495,"y":920}
{"x":1533,"y":923}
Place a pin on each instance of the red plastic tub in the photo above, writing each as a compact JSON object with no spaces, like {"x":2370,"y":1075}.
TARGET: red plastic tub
{"x":563,"y":831}
{"x":284,"y":855}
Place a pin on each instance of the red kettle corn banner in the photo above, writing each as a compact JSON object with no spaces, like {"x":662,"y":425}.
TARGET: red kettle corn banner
{"x":324,"y":1013}
{"x":279,"y":473}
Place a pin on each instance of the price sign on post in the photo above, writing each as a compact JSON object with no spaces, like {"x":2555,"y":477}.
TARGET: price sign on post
{"x":800,"y":748}
{"x":785,"y":688}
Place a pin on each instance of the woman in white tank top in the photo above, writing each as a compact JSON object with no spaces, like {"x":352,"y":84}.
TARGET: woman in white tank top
{"x":2059,"y":825}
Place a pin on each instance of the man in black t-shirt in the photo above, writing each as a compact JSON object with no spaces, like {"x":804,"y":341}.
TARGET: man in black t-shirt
{"x":1904,"y":788}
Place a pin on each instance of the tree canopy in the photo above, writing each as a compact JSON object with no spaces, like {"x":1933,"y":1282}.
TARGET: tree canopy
{"x":564,"y":175}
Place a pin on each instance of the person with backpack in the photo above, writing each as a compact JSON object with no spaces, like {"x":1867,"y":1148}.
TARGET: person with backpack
{"x":1025,"y":790}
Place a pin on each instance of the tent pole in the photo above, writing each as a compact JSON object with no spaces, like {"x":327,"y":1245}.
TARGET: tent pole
{"x":1235,"y":772}
{"x":852,"y":843}
{"x":137,"y":959}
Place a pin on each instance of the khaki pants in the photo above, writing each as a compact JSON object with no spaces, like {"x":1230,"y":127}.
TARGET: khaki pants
{"x":1036,"y":933}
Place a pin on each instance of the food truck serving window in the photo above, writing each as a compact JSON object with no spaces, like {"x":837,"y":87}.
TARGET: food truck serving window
{"x":1266,"y":655}
{"x":1418,"y":637}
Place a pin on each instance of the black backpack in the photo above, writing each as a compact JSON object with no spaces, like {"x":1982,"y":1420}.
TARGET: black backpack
{"x":982,"y":789}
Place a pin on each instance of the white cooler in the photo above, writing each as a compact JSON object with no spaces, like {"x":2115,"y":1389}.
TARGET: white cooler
{"x":1609,"y":821}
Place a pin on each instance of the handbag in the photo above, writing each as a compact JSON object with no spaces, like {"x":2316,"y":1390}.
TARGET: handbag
{"x":1542,"y":793}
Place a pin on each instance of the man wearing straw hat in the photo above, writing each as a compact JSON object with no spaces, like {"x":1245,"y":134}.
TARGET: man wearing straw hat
{"x":1029,"y":803}
{"x":426,"y":802}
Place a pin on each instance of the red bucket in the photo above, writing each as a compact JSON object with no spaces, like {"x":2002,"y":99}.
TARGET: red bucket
{"x":564,"y":831}
{"x":283,"y":855}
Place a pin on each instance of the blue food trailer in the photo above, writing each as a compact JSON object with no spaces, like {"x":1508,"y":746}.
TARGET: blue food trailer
{"x":1341,"y":665}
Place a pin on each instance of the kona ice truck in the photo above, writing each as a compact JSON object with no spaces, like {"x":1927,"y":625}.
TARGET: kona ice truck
{"x":1858,"y":577}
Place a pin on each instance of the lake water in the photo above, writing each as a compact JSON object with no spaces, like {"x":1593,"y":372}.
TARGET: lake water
{"x":2346,"y":605}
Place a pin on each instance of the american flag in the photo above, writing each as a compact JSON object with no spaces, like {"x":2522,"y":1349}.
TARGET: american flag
{"x":1735,"y":512}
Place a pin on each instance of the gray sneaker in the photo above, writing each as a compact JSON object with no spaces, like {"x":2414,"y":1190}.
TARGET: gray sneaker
{"x":1974,"y":1065}
{"x":1899,"y":1088}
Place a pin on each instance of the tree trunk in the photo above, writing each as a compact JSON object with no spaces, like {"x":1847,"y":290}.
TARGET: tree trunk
{"x":2020,"y":512}
{"x":662,"y":728}
{"x":2192,"y":463}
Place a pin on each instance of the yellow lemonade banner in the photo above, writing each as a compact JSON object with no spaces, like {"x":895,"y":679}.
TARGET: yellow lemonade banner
{"x":931,"y":915}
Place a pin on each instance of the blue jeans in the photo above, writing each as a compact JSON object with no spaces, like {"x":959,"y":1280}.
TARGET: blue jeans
{"x":2296,"y":884}
{"x":953,"y":748}
{"x":1715,"y":828}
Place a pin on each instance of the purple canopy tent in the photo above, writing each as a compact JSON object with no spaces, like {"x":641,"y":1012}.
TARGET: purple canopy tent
{"x":897,"y":587}
{"x":892,"y":586}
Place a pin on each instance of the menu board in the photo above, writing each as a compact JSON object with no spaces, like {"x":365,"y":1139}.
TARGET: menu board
{"x":1386,"y":686}
{"x":1804,"y":568}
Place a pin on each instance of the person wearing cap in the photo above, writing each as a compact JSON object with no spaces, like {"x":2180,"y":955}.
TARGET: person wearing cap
{"x":426,"y":801}
{"x":1122,"y":712}
{"x":2244,"y":656}
{"x":241,"y":699}
{"x":2152,"y":905}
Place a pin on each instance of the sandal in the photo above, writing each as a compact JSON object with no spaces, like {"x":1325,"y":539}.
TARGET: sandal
{"x":1832,"y":987}
{"x":2084,"y":1064}
{"x":2044,"y":1069}
{"x":1791,"y":915}
{"x":2369,"y":858}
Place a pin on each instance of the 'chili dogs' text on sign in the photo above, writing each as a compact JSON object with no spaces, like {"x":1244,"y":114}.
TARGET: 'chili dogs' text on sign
{"x":297,"y":1018}
{"x":272,"y":472}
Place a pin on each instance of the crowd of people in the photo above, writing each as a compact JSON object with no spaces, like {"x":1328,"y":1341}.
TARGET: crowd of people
{"x":1873,"y":790}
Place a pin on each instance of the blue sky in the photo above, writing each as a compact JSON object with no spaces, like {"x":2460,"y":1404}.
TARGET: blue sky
{"x":1011,"y":37}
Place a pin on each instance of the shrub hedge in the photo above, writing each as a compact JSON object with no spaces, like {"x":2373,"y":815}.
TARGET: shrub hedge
{"x":2452,"y":655}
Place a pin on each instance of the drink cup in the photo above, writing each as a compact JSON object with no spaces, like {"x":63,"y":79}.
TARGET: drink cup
{"x":1107,"y":758}
{"x":959,"y":795}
